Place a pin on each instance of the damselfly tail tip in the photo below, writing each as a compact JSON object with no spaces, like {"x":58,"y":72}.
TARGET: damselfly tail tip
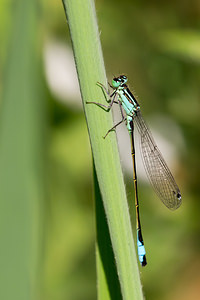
{"x":141,"y":248}
{"x":144,"y":261}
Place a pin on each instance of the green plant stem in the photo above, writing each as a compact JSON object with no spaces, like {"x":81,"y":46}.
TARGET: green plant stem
{"x":90,"y":68}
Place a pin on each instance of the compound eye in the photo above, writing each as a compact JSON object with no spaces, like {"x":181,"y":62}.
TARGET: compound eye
{"x":116,"y":82}
{"x":124,"y":79}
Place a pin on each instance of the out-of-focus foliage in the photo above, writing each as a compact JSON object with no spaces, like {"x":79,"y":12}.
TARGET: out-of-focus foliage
{"x":157,"y":44}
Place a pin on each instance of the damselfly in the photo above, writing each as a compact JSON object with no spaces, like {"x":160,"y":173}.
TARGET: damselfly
{"x":156,"y":168}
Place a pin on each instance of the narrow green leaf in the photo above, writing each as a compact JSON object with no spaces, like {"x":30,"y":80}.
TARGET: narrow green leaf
{"x":90,"y":68}
{"x":20,"y":161}
{"x":108,"y":281}
{"x":182,"y":43}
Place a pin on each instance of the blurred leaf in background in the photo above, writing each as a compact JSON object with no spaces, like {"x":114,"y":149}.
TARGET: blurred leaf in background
{"x":156,"y":44}
{"x":22,"y":123}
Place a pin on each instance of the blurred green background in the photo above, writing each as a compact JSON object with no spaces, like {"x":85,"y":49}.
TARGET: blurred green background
{"x":46,"y":189}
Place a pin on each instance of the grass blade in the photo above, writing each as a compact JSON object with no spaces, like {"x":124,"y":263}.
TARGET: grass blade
{"x":90,"y":68}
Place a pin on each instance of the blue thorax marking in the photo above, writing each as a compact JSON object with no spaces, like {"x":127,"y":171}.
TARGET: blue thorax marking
{"x":129,"y":103}
{"x":127,"y":100}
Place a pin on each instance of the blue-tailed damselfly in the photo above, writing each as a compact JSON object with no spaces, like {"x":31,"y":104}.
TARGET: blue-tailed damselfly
{"x":156,"y":168}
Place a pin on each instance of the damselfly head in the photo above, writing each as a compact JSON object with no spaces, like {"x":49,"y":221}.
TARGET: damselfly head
{"x":119,"y":81}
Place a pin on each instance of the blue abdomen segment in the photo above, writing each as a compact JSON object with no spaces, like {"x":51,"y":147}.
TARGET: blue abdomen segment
{"x":141,"y":248}
{"x":128,"y":123}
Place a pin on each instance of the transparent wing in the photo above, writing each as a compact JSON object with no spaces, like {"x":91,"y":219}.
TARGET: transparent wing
{"x":156,"y":168}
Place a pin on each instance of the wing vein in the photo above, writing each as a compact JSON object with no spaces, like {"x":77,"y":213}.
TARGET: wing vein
{"x":156,"y":168}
